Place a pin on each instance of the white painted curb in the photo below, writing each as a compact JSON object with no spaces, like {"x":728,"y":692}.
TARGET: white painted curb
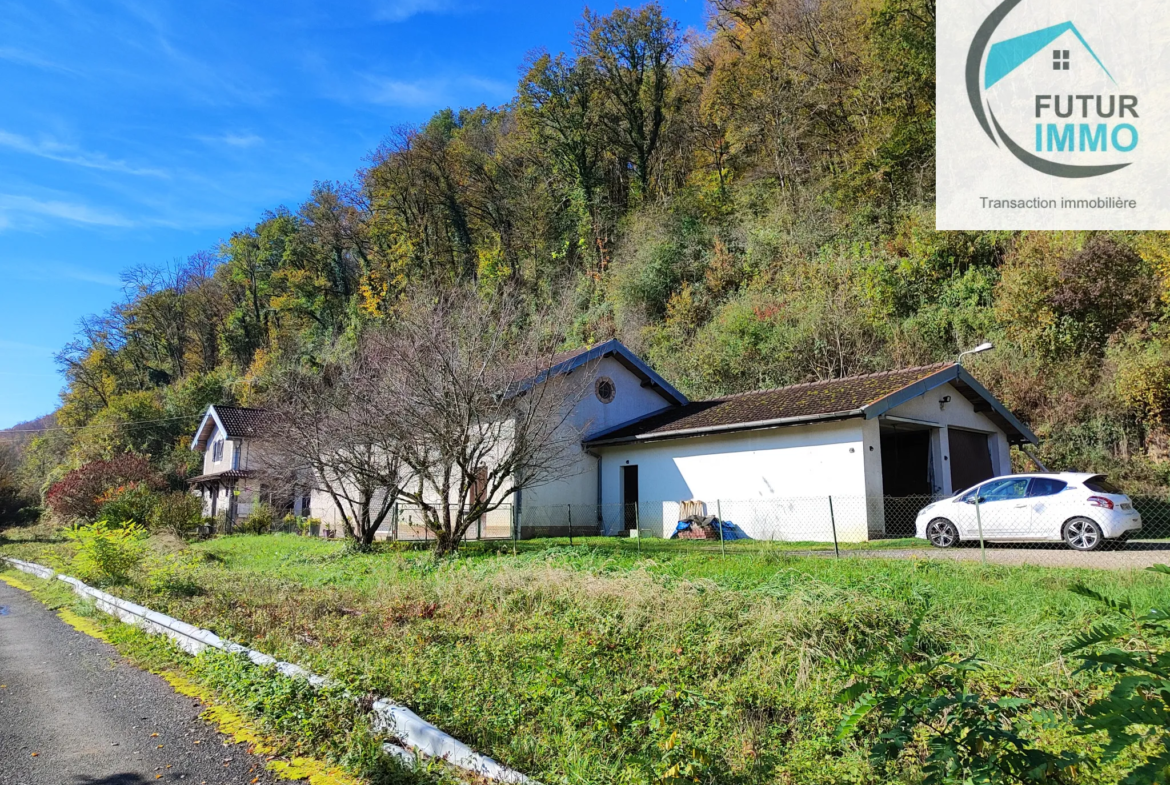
{"x":391,"y":718}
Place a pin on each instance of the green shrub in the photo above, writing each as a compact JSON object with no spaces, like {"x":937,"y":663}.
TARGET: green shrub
{"x":179,"y":513}
{"x":106,"y":553}
{"x":259,"y":520}
{"x":133,"y":503}
{"x":912,"y":697}
{"x":299,"y":524}
{"x":216,"y":524}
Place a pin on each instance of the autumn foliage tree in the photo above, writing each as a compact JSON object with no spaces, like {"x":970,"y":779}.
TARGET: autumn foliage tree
{"x":78,"y":495}
{"x":746,"y":205}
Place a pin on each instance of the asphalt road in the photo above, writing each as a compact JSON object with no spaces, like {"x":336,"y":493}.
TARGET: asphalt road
{"x":72,"y":711}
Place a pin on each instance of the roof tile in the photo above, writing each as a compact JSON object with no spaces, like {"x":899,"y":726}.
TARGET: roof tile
{"x":814,"y":399}
{"x":241,"y":422}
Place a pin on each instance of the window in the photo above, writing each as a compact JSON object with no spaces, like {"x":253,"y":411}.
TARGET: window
{"x":1099,"y":484}
{"x":1060,"y":61}
{"x":1005,"y":489}
{"x":605,"y":389}
{"x":217,"y":450}
{"x":1046,"y":486}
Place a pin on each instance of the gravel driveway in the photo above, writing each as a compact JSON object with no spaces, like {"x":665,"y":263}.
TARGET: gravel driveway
{"x":72,"y":711}
{"x":1136,"y":555}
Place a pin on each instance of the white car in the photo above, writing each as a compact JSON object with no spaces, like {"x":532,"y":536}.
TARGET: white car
{"x":1085,"y":511}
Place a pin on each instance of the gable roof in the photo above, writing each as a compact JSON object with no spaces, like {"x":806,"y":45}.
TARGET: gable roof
{"x":236,"y":422}
{"x":567,"y":362}
{"x":866,"y":396}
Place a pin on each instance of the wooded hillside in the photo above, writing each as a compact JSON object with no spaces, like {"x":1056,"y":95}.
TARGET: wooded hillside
{"x":746,"y":208}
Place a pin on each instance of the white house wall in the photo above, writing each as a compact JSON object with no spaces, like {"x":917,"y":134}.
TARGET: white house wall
{"x":873,"y":508}
{"x":772,"y":484}
{"x":230,"y":446}
{"x":547,"y":505}
{"x":631,"y":400}
{"x":237,"y":454}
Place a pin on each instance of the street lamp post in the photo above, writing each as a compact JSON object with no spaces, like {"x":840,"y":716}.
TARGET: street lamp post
{"x":983,"y":347}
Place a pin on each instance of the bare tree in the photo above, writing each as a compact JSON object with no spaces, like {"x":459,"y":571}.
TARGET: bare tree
{"x":466,"y":387}
{"x":323,"y":431}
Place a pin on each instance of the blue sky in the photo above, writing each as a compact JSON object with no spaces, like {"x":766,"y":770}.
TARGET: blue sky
{"x":142,"y":131}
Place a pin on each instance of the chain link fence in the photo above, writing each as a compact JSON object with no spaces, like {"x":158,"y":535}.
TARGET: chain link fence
{"x":1010,"y":523}
{"x":406,"y":523}
{"x":1004,"y":526}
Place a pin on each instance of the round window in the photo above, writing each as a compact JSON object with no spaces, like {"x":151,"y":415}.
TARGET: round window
{"x":605,"y":389}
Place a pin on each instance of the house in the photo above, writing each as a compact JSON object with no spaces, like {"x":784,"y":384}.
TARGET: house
{"x":879,"y":445}
{"x":228,"y":437}
{"x":849,"y":459}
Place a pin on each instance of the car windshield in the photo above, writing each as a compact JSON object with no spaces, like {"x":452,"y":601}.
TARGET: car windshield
{"x":1099,"y":484}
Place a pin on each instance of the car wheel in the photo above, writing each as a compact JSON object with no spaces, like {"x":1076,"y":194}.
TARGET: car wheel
{"x":1082,"y":534}
{"x":942,"y":533}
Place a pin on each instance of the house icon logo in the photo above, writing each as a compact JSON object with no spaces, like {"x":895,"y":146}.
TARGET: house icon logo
{"x":1074,"y":129}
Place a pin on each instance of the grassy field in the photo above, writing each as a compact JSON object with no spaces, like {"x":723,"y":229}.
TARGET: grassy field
{"x":597,"y":664}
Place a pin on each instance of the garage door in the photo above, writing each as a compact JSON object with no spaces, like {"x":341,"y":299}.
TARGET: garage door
{"x":970,"y":459}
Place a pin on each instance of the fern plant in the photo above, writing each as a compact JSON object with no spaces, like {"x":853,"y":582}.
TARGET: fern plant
{"x":909,"y":697}
{"x":1134,"y":647}
{"x":915,"y":698}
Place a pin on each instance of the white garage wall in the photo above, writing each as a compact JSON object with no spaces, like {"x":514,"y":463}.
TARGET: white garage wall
{"x":773,"y":484}
{"x":957,"y":413}
{"x":631,"y":402}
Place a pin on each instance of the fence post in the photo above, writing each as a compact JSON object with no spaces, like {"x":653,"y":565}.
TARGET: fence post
{"x":394,"y":520}
{"x":569,"y":507}
{"x":719,"y":512}
{"x":638,"y":526}
{"x":979,"y":523}
{"x":833,"y":521}
{"x":479,"y":528}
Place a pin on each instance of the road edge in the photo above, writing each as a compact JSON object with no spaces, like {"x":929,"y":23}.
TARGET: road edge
{"x":393,"y":719}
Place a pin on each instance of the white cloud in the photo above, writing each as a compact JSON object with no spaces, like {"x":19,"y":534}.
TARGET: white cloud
{"x":41,"y":270}
{"x":15,"y":205}
{"x":401,"y":10}
{"x":433,"y":92}
{"x":234,"y":140}
{"x":23,"y":57}
{"x":56,"y":151}
{"x":17,"y":346}
{"x":393,"y":92}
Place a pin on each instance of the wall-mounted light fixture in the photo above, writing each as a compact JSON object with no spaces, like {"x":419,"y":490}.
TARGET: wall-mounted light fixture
{"x":943,"y":401}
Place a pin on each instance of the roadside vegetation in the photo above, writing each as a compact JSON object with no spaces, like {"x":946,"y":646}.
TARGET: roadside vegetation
{"x":319,"y":735}
{"x":597,"y":665}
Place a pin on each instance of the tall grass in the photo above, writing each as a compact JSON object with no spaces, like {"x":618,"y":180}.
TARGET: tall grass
{"x":592,"y":665}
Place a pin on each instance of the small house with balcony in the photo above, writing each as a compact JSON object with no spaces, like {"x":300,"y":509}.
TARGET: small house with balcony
{"x":228,"y":484}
